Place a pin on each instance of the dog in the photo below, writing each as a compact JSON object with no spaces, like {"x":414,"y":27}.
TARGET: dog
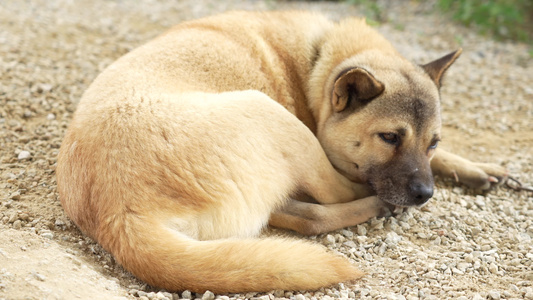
{"x":184,"y":149}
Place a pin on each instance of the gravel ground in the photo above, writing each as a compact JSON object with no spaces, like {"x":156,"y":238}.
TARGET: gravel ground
{"x":460,"y":246}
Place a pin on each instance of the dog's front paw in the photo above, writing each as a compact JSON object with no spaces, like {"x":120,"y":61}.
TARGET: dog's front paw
{"x":480,"y":176}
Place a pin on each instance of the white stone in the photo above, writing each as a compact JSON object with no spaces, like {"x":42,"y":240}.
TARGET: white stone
{"x":23,"y":155}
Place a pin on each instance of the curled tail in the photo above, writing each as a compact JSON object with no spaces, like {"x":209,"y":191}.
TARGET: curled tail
{"x":169,"y":260}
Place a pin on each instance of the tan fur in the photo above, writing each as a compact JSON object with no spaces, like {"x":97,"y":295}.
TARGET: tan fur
{"x":183,"y":150}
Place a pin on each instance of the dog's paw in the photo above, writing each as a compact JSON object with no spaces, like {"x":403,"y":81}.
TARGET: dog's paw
{"x":481,"y":176}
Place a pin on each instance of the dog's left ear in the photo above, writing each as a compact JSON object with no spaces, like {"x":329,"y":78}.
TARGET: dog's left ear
{"x":436,"y":69}
{"x":356,"y":83}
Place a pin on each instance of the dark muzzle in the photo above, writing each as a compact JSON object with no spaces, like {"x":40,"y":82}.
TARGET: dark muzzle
{"x":420,"y":192}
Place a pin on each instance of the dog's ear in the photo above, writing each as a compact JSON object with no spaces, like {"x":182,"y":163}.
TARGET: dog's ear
{"x":436,"y":69}
{"x":357,"y":83}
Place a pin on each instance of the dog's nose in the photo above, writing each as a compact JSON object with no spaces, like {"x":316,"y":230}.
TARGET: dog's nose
{"x":421,"y":192}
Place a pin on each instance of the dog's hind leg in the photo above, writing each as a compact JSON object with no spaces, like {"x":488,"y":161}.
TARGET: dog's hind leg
{"x":475,"y":175}
{"x":312,"y":219}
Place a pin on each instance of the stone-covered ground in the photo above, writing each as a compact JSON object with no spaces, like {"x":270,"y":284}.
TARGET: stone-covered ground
{"x":460,"y":246}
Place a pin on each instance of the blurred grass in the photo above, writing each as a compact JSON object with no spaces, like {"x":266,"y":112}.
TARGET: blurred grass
{"x":504,"y":19}
{"x":501,"y":19}
{"x":372,"y":11}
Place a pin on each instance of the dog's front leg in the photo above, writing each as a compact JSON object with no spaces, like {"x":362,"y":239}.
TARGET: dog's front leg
{"x":312,"y":219}
{"x":475,"y":175}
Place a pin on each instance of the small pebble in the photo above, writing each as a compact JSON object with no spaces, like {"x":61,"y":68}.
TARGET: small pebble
{"x":376,"y":224}
{"x":495,"y":295}
{"x":208,"y":295}
{"x":347,"y":233}
{"x":477,"y":297}
{"x":456,"y":271}
{"x":480,"y":201}
{"x":47,"y":234}
{"x":142,"y":293}
{"x":15,"y":195}
{"x":44,"y":87}
{"x":486,"y":248}
{"x":27,"y":114}
{"x":17,"y":224}
{"x":392,"y":239}
{"x":279,"y":293}
{"x":514,"y":288}
{"x":493,"y":268}
{"x":330,"y":239}
{"x":361,"y":230}
{"x":23,"y":155}
{"x":38,"y":276}
{"x":528,"y":295}
{"x":186,"y":294}
{"x":14,"y":215}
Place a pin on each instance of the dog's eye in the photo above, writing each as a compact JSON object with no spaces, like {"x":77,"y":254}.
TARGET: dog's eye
{"x":390,"y":138}
{"x":434,"y":144}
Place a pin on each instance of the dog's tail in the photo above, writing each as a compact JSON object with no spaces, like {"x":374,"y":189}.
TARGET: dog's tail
{"x":170,"y":260}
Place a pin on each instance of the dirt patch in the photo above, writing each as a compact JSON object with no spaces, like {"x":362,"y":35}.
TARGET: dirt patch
{"x":460,"y":245}
{"x":39,"y":267}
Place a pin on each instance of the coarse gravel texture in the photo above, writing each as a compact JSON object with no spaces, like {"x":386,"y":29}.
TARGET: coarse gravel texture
{"x":462,"y":245}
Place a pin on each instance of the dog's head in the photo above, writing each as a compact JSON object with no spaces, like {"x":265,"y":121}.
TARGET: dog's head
{"x":384,"y":125}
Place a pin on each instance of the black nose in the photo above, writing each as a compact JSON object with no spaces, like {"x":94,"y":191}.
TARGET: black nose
{"x":420,"y":192}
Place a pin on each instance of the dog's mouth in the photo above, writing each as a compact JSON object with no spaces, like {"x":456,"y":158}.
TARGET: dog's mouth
{"x":400,"y":190}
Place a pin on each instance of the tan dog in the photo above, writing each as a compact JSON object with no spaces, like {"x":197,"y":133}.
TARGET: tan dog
{"x":183,"y":150}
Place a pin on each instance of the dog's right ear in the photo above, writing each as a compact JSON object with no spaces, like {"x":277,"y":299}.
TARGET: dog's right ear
{"x":356,"y":83}
{"x":437,"y":68}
